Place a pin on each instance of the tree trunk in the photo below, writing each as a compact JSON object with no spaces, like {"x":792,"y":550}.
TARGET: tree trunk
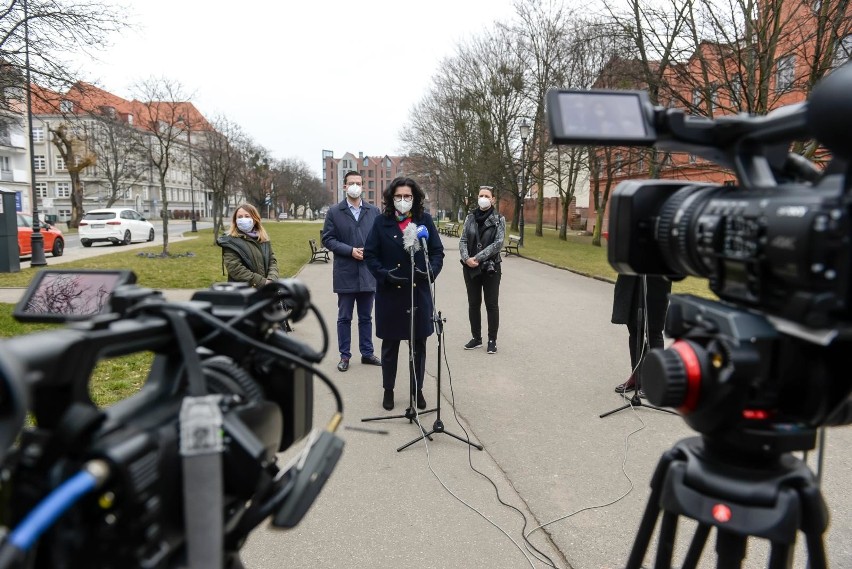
{"x":76,"y":199}
{"x":563,"y":228}
{"x":596,"y":235}
{"x":164,"y":214}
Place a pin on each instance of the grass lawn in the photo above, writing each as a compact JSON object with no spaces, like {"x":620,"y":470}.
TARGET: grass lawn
{"x":116,"y":379}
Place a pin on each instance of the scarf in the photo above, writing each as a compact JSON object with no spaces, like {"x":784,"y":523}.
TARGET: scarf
{"x":480,"y":216}
{"x":402,"y":216}
{"x":252,"y":234}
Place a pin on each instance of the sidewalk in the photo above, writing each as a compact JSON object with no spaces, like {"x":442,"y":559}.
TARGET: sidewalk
{"x":534,"y":406}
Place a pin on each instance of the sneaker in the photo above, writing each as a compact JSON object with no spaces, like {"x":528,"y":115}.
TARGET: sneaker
{"x":492,"y":346}
{"x":473,"y":344}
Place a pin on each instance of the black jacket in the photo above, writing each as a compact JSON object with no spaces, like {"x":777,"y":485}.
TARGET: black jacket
{"x":627,"y":300}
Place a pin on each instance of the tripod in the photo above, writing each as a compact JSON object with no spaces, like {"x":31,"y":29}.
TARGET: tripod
{"x":640,"y":348}
{"x":438,"y":425}
{"x":770,"y":499}
{"x":410,"y":412}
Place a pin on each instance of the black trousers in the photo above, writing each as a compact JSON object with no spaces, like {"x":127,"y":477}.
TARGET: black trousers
{"x":489,"y":284}
{"x":636,"y":330}
{"x":390,"y":357}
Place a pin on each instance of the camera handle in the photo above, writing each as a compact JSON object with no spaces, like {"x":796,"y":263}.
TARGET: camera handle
{"x":201,"y":448}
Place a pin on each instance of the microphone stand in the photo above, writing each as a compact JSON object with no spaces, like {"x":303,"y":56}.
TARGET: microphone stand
{"x":636,"y":401}
{"x":411,"y":412}
{"x":438,"y":425}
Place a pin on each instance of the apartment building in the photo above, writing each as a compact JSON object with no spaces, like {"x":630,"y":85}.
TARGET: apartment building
{"x":15,"y":159}
{"x":377,"y":172}
{"x":90,"y":114}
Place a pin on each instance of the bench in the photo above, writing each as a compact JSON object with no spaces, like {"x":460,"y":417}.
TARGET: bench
{"x":320,"y":254}
{"x":448,"y":228}
{"x":511,"y":246}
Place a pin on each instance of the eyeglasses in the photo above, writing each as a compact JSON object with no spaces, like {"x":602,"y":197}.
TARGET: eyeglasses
{"x":403,"y":198}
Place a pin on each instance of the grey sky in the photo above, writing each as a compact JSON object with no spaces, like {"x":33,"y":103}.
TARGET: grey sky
{"x":298,"y":76}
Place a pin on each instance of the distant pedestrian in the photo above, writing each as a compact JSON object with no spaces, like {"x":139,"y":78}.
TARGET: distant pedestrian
{"x":344,"y":233}
{"x":390,"y":262}
{"x":628,"y":307}
{"x":247,"y":254}
{"x":480,"y":245}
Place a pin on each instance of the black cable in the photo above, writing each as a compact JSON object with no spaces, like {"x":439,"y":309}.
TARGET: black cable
{"x":533,"y":549}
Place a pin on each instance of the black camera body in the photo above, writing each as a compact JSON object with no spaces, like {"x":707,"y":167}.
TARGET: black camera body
{"x":761,"y":370}
{"x":224,"y":348}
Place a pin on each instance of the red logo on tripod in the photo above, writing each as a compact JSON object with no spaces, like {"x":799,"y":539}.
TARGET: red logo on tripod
{"x":721,"y":513}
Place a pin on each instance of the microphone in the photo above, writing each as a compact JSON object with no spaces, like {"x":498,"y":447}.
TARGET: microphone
{"x":409,"y":237}
{"x":423,"y":235}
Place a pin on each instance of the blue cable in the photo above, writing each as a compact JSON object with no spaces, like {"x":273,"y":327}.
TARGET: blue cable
{"x":49,"y":509}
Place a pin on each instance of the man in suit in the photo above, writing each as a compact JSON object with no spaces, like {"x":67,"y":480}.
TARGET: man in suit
{"x":389,"y":261}
{"x":344,"y":233}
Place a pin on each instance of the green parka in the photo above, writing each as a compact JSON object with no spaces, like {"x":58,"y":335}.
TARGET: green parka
{"x":248,"y":260}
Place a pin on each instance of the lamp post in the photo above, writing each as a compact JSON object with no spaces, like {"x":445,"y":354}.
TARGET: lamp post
{"x":194,"y":226}
{"x":36,"y":239}
{"x":525,"y":133}
{"x":438,"y":194}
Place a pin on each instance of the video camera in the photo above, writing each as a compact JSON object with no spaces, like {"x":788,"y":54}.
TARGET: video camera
{"x":769,"y":364}
{"x":178,"y":474}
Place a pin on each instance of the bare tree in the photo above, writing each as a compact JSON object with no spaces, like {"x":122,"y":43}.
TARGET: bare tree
{"x":56,"y":28}
{"x":71,"y":139}
{"x":297,"y":184}
{"x":120,"y":152}
{"x":220,"y":159}
{"x":162,"y":113}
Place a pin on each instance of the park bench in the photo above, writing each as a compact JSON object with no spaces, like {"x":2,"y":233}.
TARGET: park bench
{"x":511,"y":246}
{"x":320,"y":254}
{"x":448,"y":228}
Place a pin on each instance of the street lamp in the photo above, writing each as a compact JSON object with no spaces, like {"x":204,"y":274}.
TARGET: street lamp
{"x":438,"y":193}
{"x":36,"y":239}
{"x":525,"y":133}
{"x":194,"y":226}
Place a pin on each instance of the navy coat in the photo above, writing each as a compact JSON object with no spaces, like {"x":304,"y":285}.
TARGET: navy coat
{"x":340,"y":234}
{"x":385,"y":252}
{"x":626,"y":301}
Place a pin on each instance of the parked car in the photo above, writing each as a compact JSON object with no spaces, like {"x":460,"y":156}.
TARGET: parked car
{"x":54,"y":241}
{"x":118,"y":225}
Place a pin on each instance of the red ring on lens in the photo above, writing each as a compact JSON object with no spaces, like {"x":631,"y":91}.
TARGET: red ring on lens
{"x":693,"y":375}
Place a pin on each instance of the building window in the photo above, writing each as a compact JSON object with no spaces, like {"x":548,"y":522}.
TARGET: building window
{"x":843,"y":51}
{"x":366,"y":162}
{"x":60,"y":163}
{"x":66,"y":106}
{"x":38,"y":134}
{"x":41,"y":189}
{"x":63,"y":189}
{"x":371,"y":185}
{"x":785,"y":73}
{"x":64,"y":214}
{"x":371,"y":173}
{"x":39,"y":162}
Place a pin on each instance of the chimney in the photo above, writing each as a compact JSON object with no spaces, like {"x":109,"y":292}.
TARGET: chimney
{"x":360,"y":155}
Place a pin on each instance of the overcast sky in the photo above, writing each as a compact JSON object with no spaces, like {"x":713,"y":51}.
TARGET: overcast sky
{"x":298,"y":76}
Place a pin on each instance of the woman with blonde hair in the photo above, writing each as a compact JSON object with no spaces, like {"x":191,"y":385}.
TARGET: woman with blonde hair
{"x":246,"y":250}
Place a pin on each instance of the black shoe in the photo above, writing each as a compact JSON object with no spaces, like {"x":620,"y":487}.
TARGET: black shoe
{"x":371,"y":360}
{"x":473,"y":344}
{"x":628,"y":385}
{"x":387,"y":400}
{"x":492,"y":346}
{"x":343,"y":365}
{"x":421,"y":401}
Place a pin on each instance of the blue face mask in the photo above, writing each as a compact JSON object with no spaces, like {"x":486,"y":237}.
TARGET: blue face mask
{"x":245,"y":224}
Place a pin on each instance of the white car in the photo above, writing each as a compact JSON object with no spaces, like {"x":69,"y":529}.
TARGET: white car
{"x":118,"y":225}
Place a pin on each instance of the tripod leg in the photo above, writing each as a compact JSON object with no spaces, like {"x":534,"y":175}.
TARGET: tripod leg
{"x":730,"y":550}
{"x":696,"y":546}
{"x":665,"y":545}
{"x":608,"y":413}
{"x":780,"y":556}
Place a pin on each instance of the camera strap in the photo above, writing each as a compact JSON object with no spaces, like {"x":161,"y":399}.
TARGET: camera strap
{"x":201,"y":447}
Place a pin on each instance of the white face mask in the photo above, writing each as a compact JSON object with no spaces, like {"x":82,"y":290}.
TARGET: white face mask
{"x":403,"y":206}
{"x":245,"y":224}
{"x":484,"y":203}
{"x":354,"y":191}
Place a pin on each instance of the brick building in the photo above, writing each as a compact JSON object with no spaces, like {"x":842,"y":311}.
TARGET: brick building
{"x":376,"y":171}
